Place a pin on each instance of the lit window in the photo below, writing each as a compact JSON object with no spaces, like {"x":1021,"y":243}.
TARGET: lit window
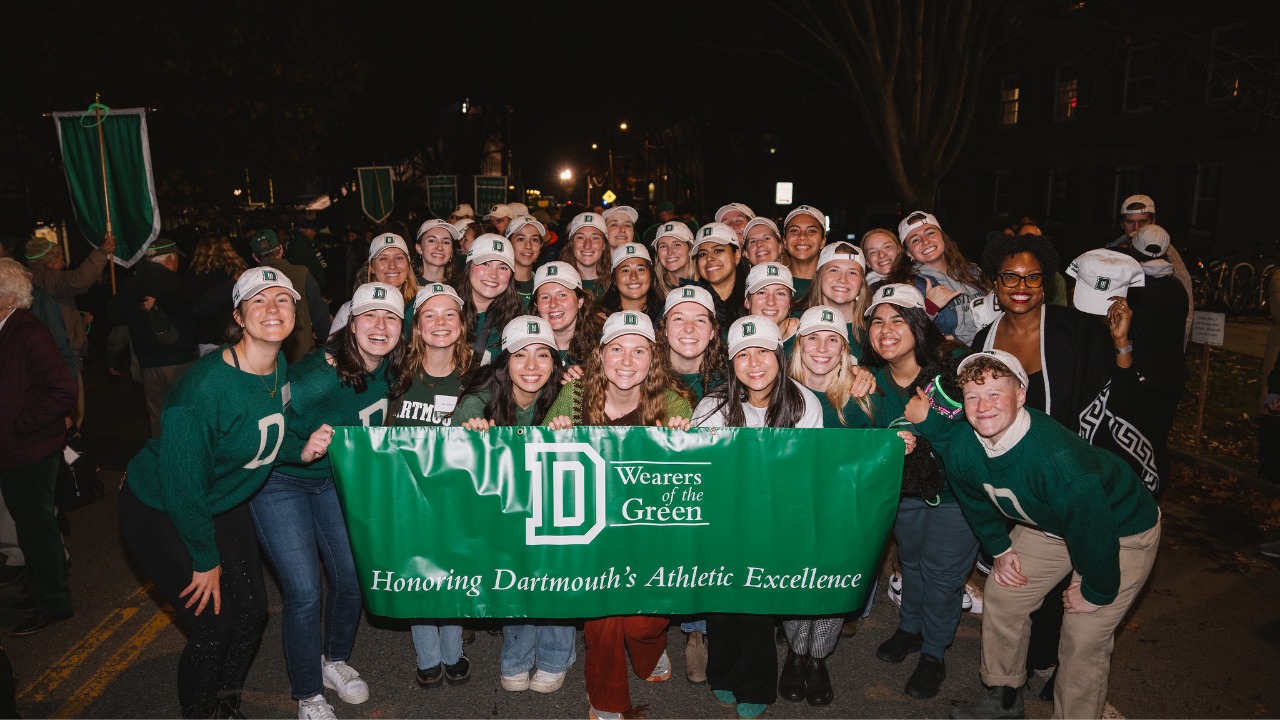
{"x":1067,"y":94}
{"x":1141,"y":82}
{"x":1009,"y":101}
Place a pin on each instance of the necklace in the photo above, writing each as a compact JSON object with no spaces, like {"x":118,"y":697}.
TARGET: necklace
{"x":276,"y":376}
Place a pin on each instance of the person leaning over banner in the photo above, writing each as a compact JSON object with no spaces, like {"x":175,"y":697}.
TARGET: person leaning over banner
{"x":717,"y":258}
{"x":435,"y":247}
{"x":345,"y":383}
{"x":805,"y":233}
{"x":673,"y":247}
{"x":632,"y":286}
{"x":950,"y":281}
{"x":620,"y":223}
{"x":762,"y":242}
{"x":569,"y":311}
{"x":936,"y":548}
{"x":1079,"y":511}
{"x":839,"y":282}
{"x":489,"y":297}
{"x":585,"y":251}
{"x":390,"y":264}
{"x":183,"y":508}
{"x":525,"y":235}
{"x":37,"y":394}
{"x":518,"y":388}
{"x":627,"y":381}
{"x":881,"y":249}
{"x":770,"y":293}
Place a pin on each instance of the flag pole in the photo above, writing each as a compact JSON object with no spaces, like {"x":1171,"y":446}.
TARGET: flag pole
{"x":106,"y":199}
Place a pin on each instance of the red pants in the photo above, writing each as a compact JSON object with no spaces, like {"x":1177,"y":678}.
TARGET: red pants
{"x":608,"y":642}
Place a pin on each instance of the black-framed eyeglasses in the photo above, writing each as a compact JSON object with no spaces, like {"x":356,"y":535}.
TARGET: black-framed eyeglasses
{"x":1011,"y":279}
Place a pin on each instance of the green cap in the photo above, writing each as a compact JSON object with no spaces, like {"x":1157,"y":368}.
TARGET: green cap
{"x":666,"y":206}
{"x":264,"y":241}
{"x":162,"y":247}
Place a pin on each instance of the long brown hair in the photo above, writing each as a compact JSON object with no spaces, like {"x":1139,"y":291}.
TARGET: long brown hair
{"x":813,"y":296}
{"x":347,"y":361}
{"x":958,"y":267}
{"x":588,"y":326}
{"x":215,"y":251}
{"x":463,"y":354}
{"x":713,"y":368}
{"x":603,"y":265}
{"x":653,"y":401}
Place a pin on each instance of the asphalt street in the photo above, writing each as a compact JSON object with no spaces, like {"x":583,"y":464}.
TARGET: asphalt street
{"x":1203,"y":641}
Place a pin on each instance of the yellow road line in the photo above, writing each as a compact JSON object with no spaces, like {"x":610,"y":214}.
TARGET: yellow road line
{"x":82,"y":698}
{"x":79,"y":652}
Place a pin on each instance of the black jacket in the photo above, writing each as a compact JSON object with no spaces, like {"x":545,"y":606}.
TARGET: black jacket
{"x":1158,"y":328}
{"x":152,"y":279}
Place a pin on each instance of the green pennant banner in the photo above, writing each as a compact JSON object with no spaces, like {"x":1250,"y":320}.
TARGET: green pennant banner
{"x":490,"y":190}
{"x":597,"y":521}
{"x":377,"y":192}
{"x":442,"y":194}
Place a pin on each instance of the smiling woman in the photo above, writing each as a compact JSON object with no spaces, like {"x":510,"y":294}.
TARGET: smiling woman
{"x":632,"y":286}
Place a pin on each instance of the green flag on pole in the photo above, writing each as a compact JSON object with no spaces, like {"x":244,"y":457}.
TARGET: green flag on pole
{"x":442,"y":194}
{"x":131,"y":191}
{"x":490,"y":190}
{"x":595,"y":521}
{"x":377,"y":192}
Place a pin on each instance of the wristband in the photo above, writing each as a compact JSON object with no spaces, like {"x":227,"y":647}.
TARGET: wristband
{"x":1125,"y":350}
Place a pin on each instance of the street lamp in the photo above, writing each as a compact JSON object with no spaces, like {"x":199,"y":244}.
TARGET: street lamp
{"x":566,"y":175}
{"x":623,"y":126}
{"x":593,"y":146}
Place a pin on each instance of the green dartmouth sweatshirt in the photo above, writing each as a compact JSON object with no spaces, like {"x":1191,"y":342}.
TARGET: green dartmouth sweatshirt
{"x":319,"y":397}
{"x":220,"y":432}
{"x":471,"y":406}
{"x":1054,"y":481}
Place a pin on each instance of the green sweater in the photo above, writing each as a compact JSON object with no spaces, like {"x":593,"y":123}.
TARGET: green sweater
{"x":888,"y":404}
{"x":220,"y":431}
{"x":854,"y":417}
{"x":429,"y":402}
{"x":471,"y":406}
{"x":1052,"y":480}
{"x":569,"y":402}
{"x":318,"y":398}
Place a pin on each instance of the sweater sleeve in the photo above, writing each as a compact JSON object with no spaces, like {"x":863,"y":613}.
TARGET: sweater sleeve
{"x":471,"y":407}
{"x":677,"y":406}
{"x":988,"y":523}
{"x":564,"y":404}
{"x":1090,"y":533}
{"x":46,"y":370}
{"x":186,"y":460}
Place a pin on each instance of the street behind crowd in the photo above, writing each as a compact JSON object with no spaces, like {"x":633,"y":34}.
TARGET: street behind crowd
{"x":1204,"y":641}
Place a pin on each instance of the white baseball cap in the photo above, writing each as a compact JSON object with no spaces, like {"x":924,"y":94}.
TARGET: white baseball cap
{"x":769,"y":273}
{"x":1006,"y":359}
{"x":675,"y":229}
{"x":899,"y":294}
{"x":527,"y":330}
{"x":501,"y":211}
{"x":384,"y":242}
{"x":753,"y":331}
{"x":627,"y":322}
{"x":256,"y":280}
{"x":522,"y":220}
{"x":518,"y":209}
{"x":829,"y":253}
{"x":822,"y":317}
{"x":1151,"y":240}
{"x":732,"y":207}
{"x":985,"y":309}
{"x":627,"y":210}
{"x":913,"y":221}
{"x":760,"y":220}
{"x":689,"y":293}
{"x":1148,"y":205}
{"x":462,"y":225}
{"x":717,"y":233}
{"x":430,"y":290}
{"x":809,"y":210}
{"x":630,"y":250}
{"x":377,"y":296}
{"x":587,"y":219}
{"x":464,"y":211}
{"x":491,"y":247}
{"x":434,"y":223}
{"x":561,"y":273}
{"x":1103,"y":274}
{"x":340,"y":318}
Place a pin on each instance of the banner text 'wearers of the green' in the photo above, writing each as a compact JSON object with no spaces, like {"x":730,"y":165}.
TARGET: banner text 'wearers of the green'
{"x":135,"y":214}
{"x":490,"y":190}
{"x":596,"y":521}
{"x":377,"y":192}
{"x":442,"y":194}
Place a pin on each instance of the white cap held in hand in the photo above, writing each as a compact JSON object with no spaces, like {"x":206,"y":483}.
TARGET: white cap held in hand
{"x":1101,"y":275}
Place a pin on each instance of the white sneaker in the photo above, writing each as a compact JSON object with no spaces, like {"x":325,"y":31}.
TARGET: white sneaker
{"x":663,"y":669}
{"x":545,"y":682}
{"x":595,"y":714}
{"x":516,"y":683}
{"x":972,"y":598}
{"x":895,"y":589}
{"x":315,"y":709}
{"x":343,"y":679}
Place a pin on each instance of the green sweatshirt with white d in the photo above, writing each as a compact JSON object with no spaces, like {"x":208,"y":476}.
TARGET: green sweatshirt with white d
{"x":319,"y":398}
{"x":1052,"y":480}
{"x":220,"y":431}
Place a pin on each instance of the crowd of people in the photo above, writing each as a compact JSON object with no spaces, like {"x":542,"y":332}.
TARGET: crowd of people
{"x":1033,"y":396}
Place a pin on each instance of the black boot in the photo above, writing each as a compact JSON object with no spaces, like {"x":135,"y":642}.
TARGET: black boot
{"x":1046,"y":692}
{"x":929,"y":674}
{"x":819,"y":690}
{"x":791,"y":684}
{"x":1000,"y":702}
{"x":899,"y":646}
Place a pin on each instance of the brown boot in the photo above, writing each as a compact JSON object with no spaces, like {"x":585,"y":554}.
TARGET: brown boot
{"x":818,"y":683}
{"x":791,"y":683}
{"x":695,"y":658}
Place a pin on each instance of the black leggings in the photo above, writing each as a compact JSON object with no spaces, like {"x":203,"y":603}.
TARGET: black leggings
{"x":219,"y":646}
{"x":742,"y":658}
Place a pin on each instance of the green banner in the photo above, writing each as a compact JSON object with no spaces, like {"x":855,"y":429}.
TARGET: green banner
{"x":442,"y":194}
{"x":131,"y":190}
{"x":490,"y":190}
{"x":596,"y":521}
{"x":377,"y":192}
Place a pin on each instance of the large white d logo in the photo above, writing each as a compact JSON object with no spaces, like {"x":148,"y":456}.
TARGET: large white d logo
{"x":565,"y":472}
{"x":274,"y":419}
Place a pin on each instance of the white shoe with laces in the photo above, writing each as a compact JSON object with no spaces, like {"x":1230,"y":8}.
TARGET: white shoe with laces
{"x":895,"y":589}
{"x":516,"y":683}
{"x":344,"y":680}
{"x":546,"y":682}
{"x":972,"y":598}
{"x":315,"y":709}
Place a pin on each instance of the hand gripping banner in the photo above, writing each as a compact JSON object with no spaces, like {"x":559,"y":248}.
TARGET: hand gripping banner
{"x":596,"y":521}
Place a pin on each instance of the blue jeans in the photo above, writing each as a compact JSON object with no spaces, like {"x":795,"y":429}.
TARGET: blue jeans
{"x":294,"y":516}
{"x":699,"y":625}
{"x":436,"y":643}
{"x":936,"y":549}
{"x":552,"y":648}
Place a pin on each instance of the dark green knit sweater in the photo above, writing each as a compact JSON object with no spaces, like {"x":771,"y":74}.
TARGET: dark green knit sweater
{"x":319,"y":397}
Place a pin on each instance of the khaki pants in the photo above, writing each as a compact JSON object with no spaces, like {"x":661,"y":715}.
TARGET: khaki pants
{"x":156,"y":382}
{"x":1084,"y":652}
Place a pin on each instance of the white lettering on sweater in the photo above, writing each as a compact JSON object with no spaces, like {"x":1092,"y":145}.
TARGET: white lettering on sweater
{"x":1007,"y":494}
{"x":264,"y":424}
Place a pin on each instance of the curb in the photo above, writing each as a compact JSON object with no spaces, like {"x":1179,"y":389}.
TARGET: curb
{"x":1219,"y":470}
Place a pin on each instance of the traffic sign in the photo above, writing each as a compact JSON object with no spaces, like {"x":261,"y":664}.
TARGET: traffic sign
{"x":608,"y":196}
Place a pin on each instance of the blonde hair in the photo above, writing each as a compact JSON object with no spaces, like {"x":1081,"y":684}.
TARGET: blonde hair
{"x":463,"y":353}
{"x":840,"y":391}
{"x":15,"y":280}
{"x":813,"y":297}
{"x":215,"y":251}
{"x":408,"y":289}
